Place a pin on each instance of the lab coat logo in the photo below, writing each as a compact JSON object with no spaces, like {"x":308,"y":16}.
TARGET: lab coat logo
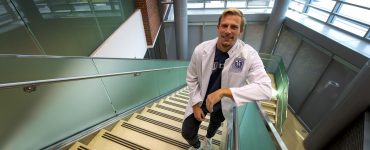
{"x":237,"y":65}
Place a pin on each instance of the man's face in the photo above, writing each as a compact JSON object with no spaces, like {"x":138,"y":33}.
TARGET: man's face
{"x":228,"y":31}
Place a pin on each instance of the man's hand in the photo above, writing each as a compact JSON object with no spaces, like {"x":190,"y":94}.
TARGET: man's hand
{"x":198,"y":113}
{"x":216,"y":96}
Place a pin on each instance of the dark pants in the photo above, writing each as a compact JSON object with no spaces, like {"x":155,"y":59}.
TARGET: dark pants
{"x":191,"y":125}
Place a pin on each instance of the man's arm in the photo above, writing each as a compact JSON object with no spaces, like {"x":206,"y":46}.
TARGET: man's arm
{"x":194,"y":87}
{"x":216,"y":96}
{"x":259,"y":87}
{"x":259,"y":83}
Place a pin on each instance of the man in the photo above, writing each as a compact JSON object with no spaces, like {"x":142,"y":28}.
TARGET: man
{"x":223,"y":73}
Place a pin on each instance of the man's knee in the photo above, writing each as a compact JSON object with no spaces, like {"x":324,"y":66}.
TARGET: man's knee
{"x":189,"y":128}
{"x":186,"y":132}
{"x":186,"y":135}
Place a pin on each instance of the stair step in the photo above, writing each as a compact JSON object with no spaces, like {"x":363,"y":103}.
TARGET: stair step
{"x":80,"y":146}
{"x":270,"y":112}
{"x":185,"y":98}
{"x":165,"y":123}
{"x":147,"y":138}
{"x":174,"y":104}
{"x":185,"y":90}
{"x":162,"y":128}
{"x":170,"y":115}
{"x":168,"y":110}
{"x":270,"y":103}
{"x":162,"y":116}
{"x":177,"y":100}
{"x":106,"y":140}
{"x":183,"y":94}
{"x":272,"y":119}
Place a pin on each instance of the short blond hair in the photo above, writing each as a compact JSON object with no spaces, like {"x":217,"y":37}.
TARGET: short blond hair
{"x":232,"y":11}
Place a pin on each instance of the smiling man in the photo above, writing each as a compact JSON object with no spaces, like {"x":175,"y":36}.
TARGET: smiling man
{"x":223,"y":73}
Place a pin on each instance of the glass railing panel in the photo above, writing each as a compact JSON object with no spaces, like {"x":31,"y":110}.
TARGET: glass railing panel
{"x":274,"y":64}
{"x":128,"y":91}
{"x":68,"y":95}
{"x":110,"y":14}
{"x":166,"y":80}
{"x":14,"y":35}
{"x":67,"y":28}
{"x":35,"y":119}
{"x":282,"y":83}
{"x":254,"y":129}
{"x":181,"y":79}
{"x":33,"y":68}
{"x":108,"y":66}
{"x":252,"y":132}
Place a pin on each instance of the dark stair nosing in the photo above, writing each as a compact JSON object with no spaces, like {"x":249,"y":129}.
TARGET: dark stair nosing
{"x":183,"y":94}
{"x":122,"y":142}
{"x":176,"y":111}
{"x":174,"y":104}
{"x":154,"y":112}
{"x":170,"y":109}
{"x":164,"y":115}
{"x":155,"y":135}
{"x":167,"y":126}
{"x":82,"y":148}
{"x":178,"y":100}
{"x":180,"y":96}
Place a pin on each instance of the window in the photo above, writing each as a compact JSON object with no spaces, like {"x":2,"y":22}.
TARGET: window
{"x":201,"y":4}
{"x":349,"y":26}
{"x":78,"y":8}
{"x":215,"y":4}
{"x":356,"y":13}
{"x":324,"y":4}
{"x":296,"y":6}
{"x":236,"y":4}
{"x":318,"y":14}
{"x":349,"y":15}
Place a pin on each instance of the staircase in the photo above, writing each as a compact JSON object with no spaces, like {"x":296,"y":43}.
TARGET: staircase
{"x":270,"y":106}
{"x":156,"y":127}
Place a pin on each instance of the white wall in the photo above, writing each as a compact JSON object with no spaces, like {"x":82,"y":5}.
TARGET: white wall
{"x":128,"y":41}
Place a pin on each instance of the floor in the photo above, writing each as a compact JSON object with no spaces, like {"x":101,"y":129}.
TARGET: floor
{"x":294,"y":133}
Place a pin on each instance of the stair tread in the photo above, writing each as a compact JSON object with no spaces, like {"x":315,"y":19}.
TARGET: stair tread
{"x":80,"y":146}
{"x":171,"y":131}
{"x":270,"y":111}
{"x":179,"y":102}
{"x":176,"y":128}
{"x":271,"y":104}
{"x":162,"y":116}
{"x":163,"y":109}
{"x":169,"y":118}
{"x":272,"y":119}
{"x":148,"y":138}
{"x":162,"y":102}
{"x":106,"y":140}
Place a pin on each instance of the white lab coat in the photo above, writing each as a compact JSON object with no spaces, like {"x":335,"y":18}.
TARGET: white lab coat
{"x":247,"y":82}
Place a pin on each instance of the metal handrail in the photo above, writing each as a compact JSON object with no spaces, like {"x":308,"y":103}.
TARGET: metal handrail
{"x":135,"y":73}
{"x":271,"y":127}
